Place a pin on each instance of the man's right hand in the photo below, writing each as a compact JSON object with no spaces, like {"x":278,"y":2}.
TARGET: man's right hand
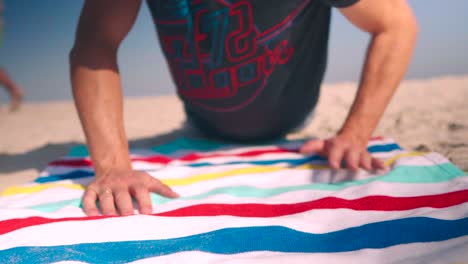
{"x":97,"y":91}
{"x":115,"y":188}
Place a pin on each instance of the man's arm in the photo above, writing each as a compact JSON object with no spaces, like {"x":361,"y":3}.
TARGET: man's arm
{"x":98,"y":97}
{"x":393,"y":28}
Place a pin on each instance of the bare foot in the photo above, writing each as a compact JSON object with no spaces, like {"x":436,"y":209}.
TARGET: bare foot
{"x":16,"y":100}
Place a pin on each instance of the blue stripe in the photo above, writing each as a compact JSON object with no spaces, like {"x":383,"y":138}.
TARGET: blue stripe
{"x":67,"y":176}
{"x":291,"y":162}
{"x":247,"y":239}
{"x":294,"y":162}
{"x":383,"y":148}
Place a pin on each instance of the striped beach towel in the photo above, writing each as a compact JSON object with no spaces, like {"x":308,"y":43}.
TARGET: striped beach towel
{"x":247,"y":204}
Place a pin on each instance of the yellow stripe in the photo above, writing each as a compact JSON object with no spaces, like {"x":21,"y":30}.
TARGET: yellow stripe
{"x":393,"y":159}
{"x":171,"y":182}
{"x":37,"y":188}
{"x":235,"y":172}
{"x":197,"y":178}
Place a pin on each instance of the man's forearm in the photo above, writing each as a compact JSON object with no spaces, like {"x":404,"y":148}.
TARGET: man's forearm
{"x":387,"y":60}
{"x":98,"y":98}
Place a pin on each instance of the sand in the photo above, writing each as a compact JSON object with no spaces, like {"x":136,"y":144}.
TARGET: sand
{"x":424,"y":115}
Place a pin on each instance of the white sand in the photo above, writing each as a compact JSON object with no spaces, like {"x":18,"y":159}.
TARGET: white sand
{"x":425,"y":115}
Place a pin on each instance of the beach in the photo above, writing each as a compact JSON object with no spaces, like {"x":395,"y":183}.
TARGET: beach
{"x":424,"y":115}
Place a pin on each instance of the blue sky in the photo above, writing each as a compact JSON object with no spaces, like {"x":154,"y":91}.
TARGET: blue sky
{"x":39,"y":34}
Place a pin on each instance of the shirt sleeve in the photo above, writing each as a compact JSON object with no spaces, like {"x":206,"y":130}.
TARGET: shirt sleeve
{"x":340,"y":3}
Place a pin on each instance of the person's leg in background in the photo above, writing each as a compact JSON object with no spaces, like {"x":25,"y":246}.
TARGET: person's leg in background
{"x":16,"y":93}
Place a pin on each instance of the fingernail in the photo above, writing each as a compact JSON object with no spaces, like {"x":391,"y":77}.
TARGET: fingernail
{"x":93,"y":213}
{"x":147,"y":211}
{"x":110,"y":214}
{"x":335,"y":165}
{"x":383,"y":170}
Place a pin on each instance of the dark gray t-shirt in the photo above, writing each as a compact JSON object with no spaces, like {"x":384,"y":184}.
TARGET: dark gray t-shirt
{"x":246,"y":69}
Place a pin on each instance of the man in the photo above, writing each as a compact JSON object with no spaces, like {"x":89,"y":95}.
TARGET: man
{"x":246,"y":70}
{"x":15,"y":91}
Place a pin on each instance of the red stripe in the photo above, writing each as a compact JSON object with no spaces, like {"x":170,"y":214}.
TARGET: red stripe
{"x":160,"y":159}
{"x":251,"y":153}
{"x":18,"y":223}
{"x":373,"y":203}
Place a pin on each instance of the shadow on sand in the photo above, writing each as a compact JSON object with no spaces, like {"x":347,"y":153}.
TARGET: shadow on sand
{"x":39,"y":158}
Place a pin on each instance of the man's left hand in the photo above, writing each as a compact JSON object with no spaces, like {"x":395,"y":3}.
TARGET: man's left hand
{"x":343,"y":148}
{"x":388,"y":56}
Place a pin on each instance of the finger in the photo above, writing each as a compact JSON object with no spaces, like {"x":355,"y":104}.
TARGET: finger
{"x":312,"y":146}
{"x":157,"y":186}
{"x":106,"y":201}
{"x":143,"y":199}
{"x":89,"y":202}
{"x":378,"y":164}
{"x":335,"y":156}
{"x":352,"y":159}
{"x":123,"y":200}
{"x":366,"y":162}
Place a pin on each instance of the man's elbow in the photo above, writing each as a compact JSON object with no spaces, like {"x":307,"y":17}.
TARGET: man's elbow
{"x":402,"y":29}
{"x":402,"y":22}
{"x":410,"y":26}
{"x":405,"y":23}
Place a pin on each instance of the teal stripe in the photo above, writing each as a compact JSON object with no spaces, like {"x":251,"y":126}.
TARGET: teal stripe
{"x":188,"y":144}
{"x":400,"y":174}
{"x":168,"y":148}
{"x":55,"y":206}
{"x":235,"y":240}
{"x":78,"y":151}
{"x":210,"y":145}
{"x":291,"y":162}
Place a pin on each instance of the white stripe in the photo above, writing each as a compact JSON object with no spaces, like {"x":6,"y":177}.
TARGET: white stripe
{"x":233,"y":149}
{"x":424,"y":160}
{"x":54,"y":170}
{"x":186,"y":171}
{"x":174,"y":172}
{"x":453,"y":251}
{"x":141,"y":227}
{"x":229,"y":151}
{"x":353,"y":192}
{"x":50,"y":195}
{"x":385,"y":141}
